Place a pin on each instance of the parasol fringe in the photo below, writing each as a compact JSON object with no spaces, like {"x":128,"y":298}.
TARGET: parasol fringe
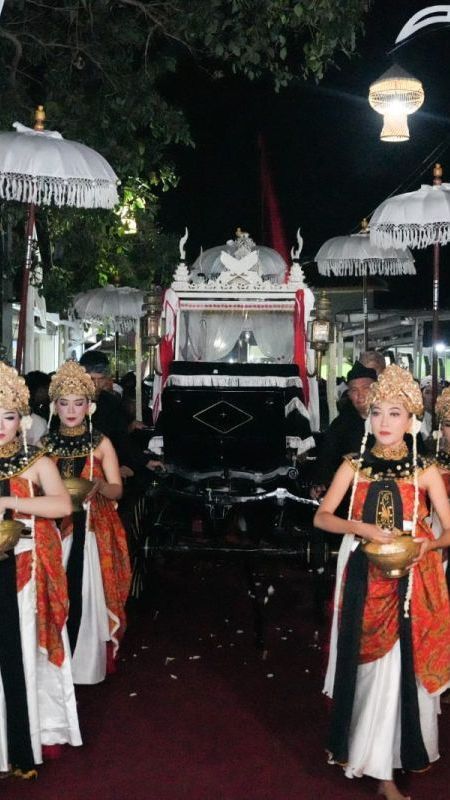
{"x":120,"y":324}
{"x":44,"y":190}
{"x":353,"y":266}
{"x":410,"y":235}
{"x":234,"y":380}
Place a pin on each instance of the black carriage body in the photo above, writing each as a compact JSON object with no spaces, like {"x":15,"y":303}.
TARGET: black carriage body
{"x":224,"y":429}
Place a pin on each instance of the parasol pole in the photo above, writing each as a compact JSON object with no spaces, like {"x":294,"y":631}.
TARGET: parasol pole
{"x":116,"y":351}
{"x":39,"y":119}
{"x":364,"y":228}
{"x":138,"y":368}
{"x":437,"y":180}
{"x":21,"y":334}
{"x":365,"y":313}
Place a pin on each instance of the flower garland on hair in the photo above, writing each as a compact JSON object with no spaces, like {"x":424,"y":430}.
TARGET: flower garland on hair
{"x":26,"y":423}
{"x":92,"y":409}
{"x":409,"y":588}
{"x":367,"y":430}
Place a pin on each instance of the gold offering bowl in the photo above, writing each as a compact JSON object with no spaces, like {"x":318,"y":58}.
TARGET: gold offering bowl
{"x":78,"y":488}
{"x":10,"y":530}
{"x":393,"y":558}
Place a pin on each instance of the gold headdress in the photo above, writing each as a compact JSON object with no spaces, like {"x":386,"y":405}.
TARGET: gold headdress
{"x":14,"y":394}
{"x":443,"y":405}
{"x":71,"y":378}
{"x":396,"y":384}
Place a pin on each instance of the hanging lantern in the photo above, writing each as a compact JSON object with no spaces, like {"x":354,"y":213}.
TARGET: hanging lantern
{"x":395,"y":95}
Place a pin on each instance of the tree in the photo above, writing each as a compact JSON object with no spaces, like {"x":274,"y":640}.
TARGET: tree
{"x":99,"y":66}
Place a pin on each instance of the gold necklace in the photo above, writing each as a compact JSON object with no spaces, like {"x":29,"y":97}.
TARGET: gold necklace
{"x":10,"y":448}
{"x":394,"y":453}
{"x":77,"y":430}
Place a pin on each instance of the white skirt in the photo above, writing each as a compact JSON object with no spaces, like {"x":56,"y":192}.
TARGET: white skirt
{"x":374,"y":740}
{"x":89,"y":657}
{"x":52,"y":709}
{"x":375,"y":730}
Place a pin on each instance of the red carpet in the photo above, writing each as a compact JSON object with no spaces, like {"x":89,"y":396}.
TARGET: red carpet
{"x":194,"y":713}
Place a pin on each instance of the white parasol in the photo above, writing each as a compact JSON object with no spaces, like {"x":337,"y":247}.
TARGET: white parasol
{"x":345,"y":256}
{"x":121,"y":306}
{"x":418,"y":219}
{"x":39,"y":168}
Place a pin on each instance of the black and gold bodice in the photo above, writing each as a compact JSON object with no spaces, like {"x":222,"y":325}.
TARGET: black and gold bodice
{"x":443,"y":460}
{"x":70,"y":447}
{"x":380,"y":464}
{"x":14,"y":459}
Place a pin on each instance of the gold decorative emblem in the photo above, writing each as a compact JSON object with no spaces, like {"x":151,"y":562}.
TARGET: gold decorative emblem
{"x":385,"y":510}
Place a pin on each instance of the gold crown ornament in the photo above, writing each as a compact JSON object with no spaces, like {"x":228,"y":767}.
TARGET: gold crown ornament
{"x":396,"y":384}
{"x":71,"y":378}
{"x":443,"y":406}
{"x":14,"y":394}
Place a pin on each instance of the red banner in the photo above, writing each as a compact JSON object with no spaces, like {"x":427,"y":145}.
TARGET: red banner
{"x":272,"y":220}
{"x":300,"y":341}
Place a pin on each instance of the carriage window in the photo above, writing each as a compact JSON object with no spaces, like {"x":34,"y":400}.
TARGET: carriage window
{"x":236,"y":336}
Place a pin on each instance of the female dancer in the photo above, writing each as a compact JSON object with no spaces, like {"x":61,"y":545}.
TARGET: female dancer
{"x":94,"y":540}
{"x":387,"y":666}
{"x":37,"y":700}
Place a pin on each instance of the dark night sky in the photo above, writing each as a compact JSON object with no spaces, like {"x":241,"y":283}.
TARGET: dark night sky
{"x":328,"y":164}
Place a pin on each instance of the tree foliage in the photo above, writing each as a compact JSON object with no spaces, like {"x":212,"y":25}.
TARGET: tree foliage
{"x":99,"y":67}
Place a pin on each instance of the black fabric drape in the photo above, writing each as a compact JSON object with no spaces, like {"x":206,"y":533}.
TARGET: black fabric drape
{"x":412,"y":749}
{"x":75,"y":564}
{"x":11,"y":665}
{"x":347,"y":655}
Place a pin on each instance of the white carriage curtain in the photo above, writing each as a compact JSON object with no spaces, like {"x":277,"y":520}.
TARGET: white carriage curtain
{"x":212,"y":336}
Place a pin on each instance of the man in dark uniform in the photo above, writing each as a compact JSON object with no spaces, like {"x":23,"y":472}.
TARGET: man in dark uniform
{"x":343,"y":436}
{"x":347,"y":429}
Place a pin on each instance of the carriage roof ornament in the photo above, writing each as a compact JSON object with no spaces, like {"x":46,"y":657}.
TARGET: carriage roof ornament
{"x":181,"y":244}
{"x":239,"y":265}
{"x":296,"y":274}
{"x":182,"y":276}
{"x":295,"y":254}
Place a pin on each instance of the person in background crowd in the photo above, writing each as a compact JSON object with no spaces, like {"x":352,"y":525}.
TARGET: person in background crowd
{"x":38,"y":383}
{"x":94,"y":541}
{"x":390,"y":645}
{"x":111,"y":419}
{"x":345,"y":432}
{"x":442,"y":455}
{"x":374,"y":360}
{"x":427,"y":394}
{"x":443,"y":438}
{"x":38,"y":712}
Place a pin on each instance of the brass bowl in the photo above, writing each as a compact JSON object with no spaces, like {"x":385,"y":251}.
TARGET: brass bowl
{"x":10,"y":530}
{"x":393,"y":558}
{"x":78,"y":488}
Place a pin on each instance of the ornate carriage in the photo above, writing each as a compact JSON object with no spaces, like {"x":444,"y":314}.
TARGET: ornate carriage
{"x":233,"y":400}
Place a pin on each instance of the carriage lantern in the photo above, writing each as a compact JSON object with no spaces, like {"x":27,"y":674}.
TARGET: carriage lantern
{"x":321,"y":330}
{"x":152,"y":335}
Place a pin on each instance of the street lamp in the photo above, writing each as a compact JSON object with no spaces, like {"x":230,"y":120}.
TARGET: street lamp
{"x":395,"y":95}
